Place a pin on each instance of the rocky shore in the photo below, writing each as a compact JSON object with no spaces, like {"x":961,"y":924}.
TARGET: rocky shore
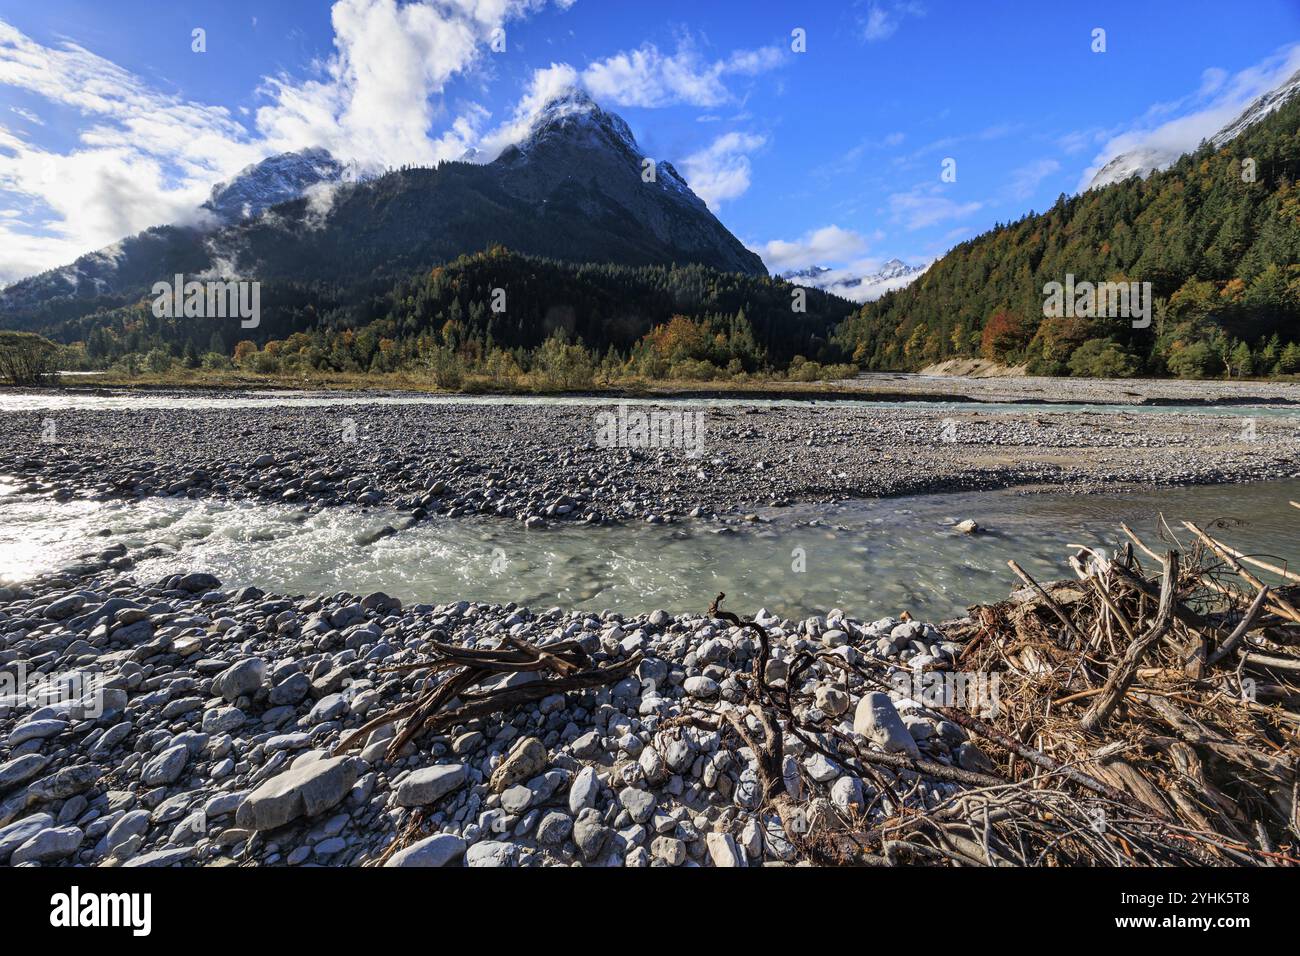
{"x":182,"y":723}
{"x":538,"y":463}
{"x":1106,"y":391}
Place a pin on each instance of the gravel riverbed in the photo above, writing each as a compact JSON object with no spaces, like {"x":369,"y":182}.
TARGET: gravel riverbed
{"x":173,"y":722}
{"x":537,"y":463}
{"x":181,"y":723}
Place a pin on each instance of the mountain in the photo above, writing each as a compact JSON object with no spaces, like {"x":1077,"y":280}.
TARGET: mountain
{"x":140,"y":260}
{"x":572,"y":189}
{"x":1141,"y":162}
{"x":894,"y":274}
{"x":1218,"y":250}
{"x":1144,"y":160}
{"x":272,"y":181}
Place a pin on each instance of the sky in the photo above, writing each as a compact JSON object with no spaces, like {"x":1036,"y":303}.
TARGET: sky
{"x":113,"y":120}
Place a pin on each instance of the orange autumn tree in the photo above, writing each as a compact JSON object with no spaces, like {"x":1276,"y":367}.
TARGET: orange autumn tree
{"x":1004,"y":333}
{"x":680,"y":338}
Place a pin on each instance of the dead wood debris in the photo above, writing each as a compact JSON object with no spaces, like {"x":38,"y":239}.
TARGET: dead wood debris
{"x":1149,"y":717}
{"x":477,"y":685}
{"x":1146,"y":715}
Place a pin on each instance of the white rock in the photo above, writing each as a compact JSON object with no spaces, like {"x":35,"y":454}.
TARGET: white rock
{"x":723,"y":850}
{"x":440,"y":849}
{"x":878,"y":721}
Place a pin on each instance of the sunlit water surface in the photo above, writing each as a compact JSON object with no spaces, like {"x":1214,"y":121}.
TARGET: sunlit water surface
{"x":121,"y":400}
{"x":871,"y":557}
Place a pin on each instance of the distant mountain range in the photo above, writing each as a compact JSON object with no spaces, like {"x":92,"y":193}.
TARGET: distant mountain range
{"x":1145,"y":160}
{"x":573,"y":189}
{"x":894,"y":274}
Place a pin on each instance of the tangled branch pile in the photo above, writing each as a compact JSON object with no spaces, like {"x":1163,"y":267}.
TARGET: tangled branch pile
{"x":1180,"y":694}
{"x":1142,"y":719}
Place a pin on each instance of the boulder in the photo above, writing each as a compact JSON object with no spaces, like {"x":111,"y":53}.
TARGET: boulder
{"x":429,"y":784}
{"x":878,"y":721}
{"x":307,"y":789}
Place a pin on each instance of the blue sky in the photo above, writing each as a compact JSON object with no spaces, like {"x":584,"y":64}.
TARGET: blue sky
{"x":110,"y":122}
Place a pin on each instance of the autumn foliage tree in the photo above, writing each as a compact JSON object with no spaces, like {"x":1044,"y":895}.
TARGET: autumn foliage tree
{"x":1004,"y":334}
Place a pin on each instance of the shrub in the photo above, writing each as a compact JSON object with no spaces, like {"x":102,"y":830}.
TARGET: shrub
{"x":695,"y":370}
{"x":565,"y":366}
{"x":214,"y":361}
{"x":158,"y":361}
{"x":1102,"y":358}
{"x":1196,"y":360}
{"x":26,"y":358}
{"x":446,"y":367}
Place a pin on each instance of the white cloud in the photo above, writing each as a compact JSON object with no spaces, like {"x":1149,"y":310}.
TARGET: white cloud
{"x":1026,"y":179}
{"x":1217,"y":101}
{"x":1212,"y":80}
{"x":648,"y":77}
{"x":721,"y":171}
{"x":545,"y":85}
{"x":376,"y":99}
{"x":143,"y":157}
{"x":925,"y":207}
{"x":884,"y":19}
{"x":28,"y":115}
{"x":828,"y":245}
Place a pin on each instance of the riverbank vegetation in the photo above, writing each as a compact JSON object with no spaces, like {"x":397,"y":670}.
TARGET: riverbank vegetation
{"x":496,"y":317}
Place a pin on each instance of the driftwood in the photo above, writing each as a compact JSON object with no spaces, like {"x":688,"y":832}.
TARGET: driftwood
{"x":562,"y":667}
{"x":1126,"y":669}
{"x":1209,"y":728}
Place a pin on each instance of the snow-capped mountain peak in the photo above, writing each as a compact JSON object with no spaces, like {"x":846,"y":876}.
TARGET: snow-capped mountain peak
{"x":1147,"y":159}
{"x":1257,"y":110}
{"x":849,"y":284}
{"x":573,"y":114}
{"x":572,"y":119}
{"x":274,"y":180}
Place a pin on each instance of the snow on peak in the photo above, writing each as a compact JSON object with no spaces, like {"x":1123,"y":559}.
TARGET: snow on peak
{"x":848,"y":284}
{"x":573,"y":113}
{"x":274,"y":180}
{"x":1147,"y":159}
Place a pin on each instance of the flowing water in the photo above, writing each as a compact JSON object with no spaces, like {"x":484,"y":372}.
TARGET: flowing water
{"x":871,"y":557}
{"x":110,"y":400}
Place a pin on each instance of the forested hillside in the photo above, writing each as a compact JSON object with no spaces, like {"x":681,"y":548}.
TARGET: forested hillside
{"x":691,"y":320}
{"x":1219,"y":250}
